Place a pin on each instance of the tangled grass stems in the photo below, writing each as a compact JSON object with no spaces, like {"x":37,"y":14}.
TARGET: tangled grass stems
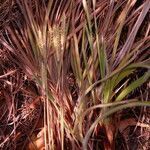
{"x":110,"y":112}
{"x":100,"y":43}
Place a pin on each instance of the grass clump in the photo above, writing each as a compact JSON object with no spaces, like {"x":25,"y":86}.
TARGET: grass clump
{"x":81,"y":62}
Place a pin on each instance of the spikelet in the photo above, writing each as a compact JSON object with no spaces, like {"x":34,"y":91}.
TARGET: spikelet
{"x":40,"y":42}
{"x":50,"y":37}
{"x":57,"y":41}
{"x":56,"y":37}
{"x":63,"y":31}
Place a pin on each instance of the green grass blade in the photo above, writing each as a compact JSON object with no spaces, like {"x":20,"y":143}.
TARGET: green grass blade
{"x":110,"y":112}
{"x":133,"y":86}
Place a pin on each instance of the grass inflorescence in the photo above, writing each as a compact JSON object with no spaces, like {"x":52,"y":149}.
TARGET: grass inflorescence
{"x":68,"y":69}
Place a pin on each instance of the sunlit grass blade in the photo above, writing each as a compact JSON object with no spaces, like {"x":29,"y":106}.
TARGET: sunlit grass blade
{"x":121,"y":23}
{"x":129,"y":42}
{"x":135,"y":84}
